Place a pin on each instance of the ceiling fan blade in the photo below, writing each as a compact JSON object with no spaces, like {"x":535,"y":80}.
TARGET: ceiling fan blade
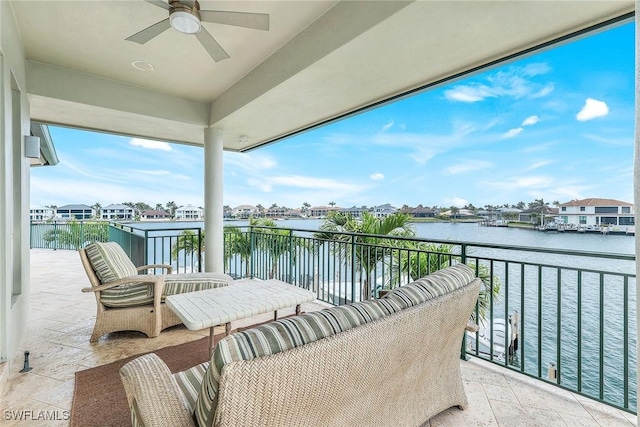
{"x":257,"y":21}
{"x":215,"y":50}
{"x":160,"y":3}
{"x":150,"y":32}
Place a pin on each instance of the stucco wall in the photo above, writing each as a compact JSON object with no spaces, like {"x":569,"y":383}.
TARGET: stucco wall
{"x":14,"y":191}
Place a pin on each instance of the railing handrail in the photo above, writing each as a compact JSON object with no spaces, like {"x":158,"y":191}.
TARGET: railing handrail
{"x":557,"y":251}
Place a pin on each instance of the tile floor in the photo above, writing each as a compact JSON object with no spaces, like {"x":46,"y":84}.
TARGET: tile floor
{"x":62,"y":319}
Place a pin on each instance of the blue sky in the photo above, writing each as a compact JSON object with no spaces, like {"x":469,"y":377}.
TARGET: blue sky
{"x":557,"y":125}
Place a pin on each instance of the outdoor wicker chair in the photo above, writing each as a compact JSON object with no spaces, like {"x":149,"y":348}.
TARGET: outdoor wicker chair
{"x":130,"y":301}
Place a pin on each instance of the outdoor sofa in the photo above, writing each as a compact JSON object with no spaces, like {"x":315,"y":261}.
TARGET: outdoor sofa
{"x":391,"y":361}
{"x":129,"y":301}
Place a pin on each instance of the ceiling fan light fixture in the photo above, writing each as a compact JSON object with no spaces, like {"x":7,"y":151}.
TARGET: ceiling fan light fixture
{"x":185,"y":21}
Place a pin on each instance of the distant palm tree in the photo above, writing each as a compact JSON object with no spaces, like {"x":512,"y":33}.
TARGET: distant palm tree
{"x":539,"y":205}
{"x":171,"y":206}
{"x":332,"y":204}
{"x":96,"y":206}
{"x":454,"y":212}
{"x":159,"y":207}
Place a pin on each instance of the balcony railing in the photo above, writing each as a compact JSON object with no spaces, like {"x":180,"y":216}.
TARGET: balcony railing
{"x":572,"y":313}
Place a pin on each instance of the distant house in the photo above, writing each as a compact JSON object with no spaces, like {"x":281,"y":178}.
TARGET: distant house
{"x":293,"y":213}
{"x":244,"y":211}
{"x":355,"y":212}
{"x":597,"y":212}
{"x":461,"y":213}
{"x":383,"y":211}
{"x":117,"y":213}
{"x":37,"y":213}
{"x":322,"y":211}
{"x":155,"y":215}
{"x":79,"y":212}
{"x":275,"y":212}
{"x":420,"y":212}
{"x":189,"y":213}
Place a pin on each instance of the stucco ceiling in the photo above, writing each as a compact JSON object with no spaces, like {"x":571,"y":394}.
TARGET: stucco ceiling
{"x":320,"y":60}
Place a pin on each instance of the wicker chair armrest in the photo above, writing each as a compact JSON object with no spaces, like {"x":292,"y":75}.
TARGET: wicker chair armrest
{"x":141,"y":278}
{"x":153,"y":393}
{"x":472,"y":326}
{"x":165,"y":266}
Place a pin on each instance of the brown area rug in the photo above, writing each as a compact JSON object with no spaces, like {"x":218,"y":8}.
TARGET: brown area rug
{"x":99,"y":398}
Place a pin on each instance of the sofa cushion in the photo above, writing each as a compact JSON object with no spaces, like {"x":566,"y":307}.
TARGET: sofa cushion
{"x":182,"y":283}
{"x":436,"y":284}
{"x":127,"y":295}
{"x":190,"y":382}
{"x":281,"y":335}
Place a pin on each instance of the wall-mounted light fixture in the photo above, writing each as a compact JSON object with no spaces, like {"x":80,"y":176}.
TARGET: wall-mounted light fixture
{"x":32,"y":147}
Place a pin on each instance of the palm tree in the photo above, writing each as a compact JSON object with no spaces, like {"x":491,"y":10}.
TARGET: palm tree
{"x":369,"y":250}
{"x":425,"y":258}
{"x":171,"y":206}
{"x":332,"y":204}
{"x":454,"y":212}
{"x":305,"y":207}
{"x":238,"y":243}
{"x":542,"y":206}
{"x":159,"y":207}
{"x":260,"y":209}
{"x":96,"y":206}
{"x":276,"y":243}
{"x":188,"y":243}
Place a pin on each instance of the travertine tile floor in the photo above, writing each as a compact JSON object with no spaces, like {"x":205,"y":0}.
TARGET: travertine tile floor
{"x":62,"y":319}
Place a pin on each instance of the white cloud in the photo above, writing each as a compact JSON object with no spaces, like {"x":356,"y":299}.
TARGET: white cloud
{"x":530,"y":121}
{"x":511,"y":133}
{"x":468,"y":93}
{"x":151,"y":145}
{"x":376,"y":176}
{"x":152,"y":172}
{"x":522,"y":183}
{"x":468,"y":166}
{"x":250,"y":161}
{"x":617,"y":141}
{"x":456,"y":201}
{"x":539,"y":165}
{"x":544,"y":91}
{"x":387,"y":126}
{"x":314,"y":183}
{"x":515,"y":82}
{"x":592,"y":109}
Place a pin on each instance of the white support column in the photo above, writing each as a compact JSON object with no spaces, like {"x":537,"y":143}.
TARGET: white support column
{"x":213,"y":206}
{"x":636,"y":180}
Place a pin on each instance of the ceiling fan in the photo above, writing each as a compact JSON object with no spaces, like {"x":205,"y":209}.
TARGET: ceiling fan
{"x":185,"y":16}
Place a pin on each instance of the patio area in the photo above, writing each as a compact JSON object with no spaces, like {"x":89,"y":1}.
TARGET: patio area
{"x":62,"y":319}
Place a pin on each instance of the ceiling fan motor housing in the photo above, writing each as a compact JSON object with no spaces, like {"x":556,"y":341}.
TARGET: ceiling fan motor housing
{"x":184,"y":18}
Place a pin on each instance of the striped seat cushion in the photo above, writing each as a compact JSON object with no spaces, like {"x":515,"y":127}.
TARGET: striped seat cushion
{"x":110,"y":262}
{"x":182,"y":283}
{"x":439,"y":283}
{"x":190,"y":382}
{"x":281,"y":335}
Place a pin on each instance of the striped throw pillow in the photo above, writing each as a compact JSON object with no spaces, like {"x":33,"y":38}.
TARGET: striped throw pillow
{"x":436,"y":284}
{"x":110,"y":263}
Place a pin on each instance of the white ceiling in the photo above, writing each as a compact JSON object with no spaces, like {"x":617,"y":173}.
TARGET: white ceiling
{"x":319,"y":60}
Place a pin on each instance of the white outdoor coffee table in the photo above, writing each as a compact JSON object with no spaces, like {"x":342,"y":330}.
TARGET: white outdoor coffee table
{"x":243,"y":298}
